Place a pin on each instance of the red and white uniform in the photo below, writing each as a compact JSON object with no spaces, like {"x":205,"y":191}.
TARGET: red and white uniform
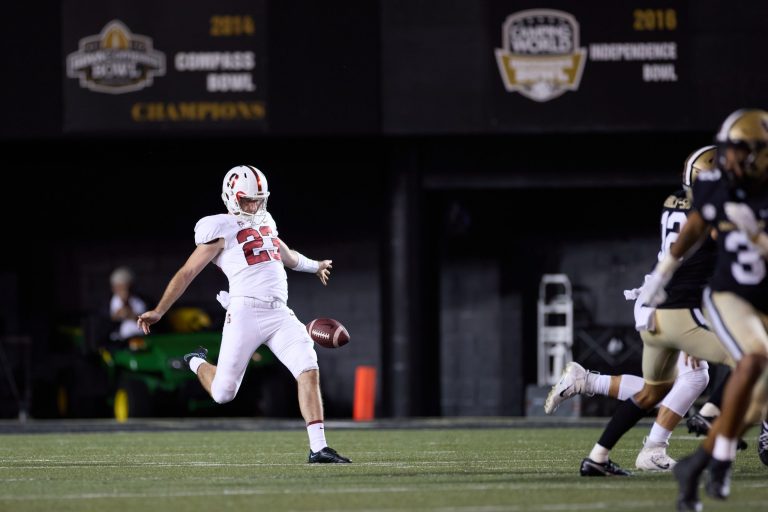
{"x":257,"y":312}
{"x":251,"y":255}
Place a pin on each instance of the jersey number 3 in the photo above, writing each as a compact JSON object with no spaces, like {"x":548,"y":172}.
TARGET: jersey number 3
{"x":254,"y":241}
{"x":749,"y":267}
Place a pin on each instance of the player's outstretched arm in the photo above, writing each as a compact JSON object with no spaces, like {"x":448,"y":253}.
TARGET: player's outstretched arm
{"x":297,"y":261}
{"x":692,"y":235}
{"x":199,"y":258}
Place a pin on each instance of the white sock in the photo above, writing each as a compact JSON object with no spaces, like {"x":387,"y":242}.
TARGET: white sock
{"x":597,"y":384}
{"x":725,"y":449}
{"x":599,"y":454}
{"x":195,"y":363}
{"x":658,"y":435}
{"x":316,"y":432}
{"x":629,"y":386}
{"x":709,"y":410}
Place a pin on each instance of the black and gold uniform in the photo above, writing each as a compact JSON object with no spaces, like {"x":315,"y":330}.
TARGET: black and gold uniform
{"x":679,"y":323}
{"x":685,"y":288}
{"x":740,"y":279}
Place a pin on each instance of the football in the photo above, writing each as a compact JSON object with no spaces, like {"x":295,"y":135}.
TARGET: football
{"x":328,"y":333}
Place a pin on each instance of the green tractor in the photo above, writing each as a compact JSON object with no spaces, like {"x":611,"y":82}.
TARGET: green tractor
{"x":151,"y":379}
{"x":91,"y":375}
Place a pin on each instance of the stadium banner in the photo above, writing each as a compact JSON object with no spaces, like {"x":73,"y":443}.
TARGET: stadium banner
{"x":564,"y":64}
{"x":164,"y":66}
{"x":560,"y":66}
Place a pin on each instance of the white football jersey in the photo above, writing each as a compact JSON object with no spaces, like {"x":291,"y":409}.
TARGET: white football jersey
{"x":251,"y":255}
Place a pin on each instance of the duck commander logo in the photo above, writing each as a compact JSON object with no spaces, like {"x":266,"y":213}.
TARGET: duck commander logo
{"x":115,"y":61}
{"x":540,"y":58}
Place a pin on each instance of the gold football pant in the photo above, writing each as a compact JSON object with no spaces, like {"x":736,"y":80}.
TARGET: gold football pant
{"x":676,"y":330}
{"x":742,"y":330}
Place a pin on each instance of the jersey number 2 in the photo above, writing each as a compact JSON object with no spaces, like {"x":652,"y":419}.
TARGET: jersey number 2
{"x":254,"y":241}
{"x":671,"y":224}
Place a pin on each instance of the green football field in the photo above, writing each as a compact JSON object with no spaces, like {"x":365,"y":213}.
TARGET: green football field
{"x":487,"y":470}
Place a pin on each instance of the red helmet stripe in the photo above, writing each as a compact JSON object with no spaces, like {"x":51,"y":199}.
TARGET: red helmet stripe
{"x":258,"y":178}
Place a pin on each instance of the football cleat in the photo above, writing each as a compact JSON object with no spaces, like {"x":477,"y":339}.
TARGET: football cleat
{"x":718,"y":484}
{"x":700,"y":425}
{"x":573,"y":381}
{"x":762,"y":443}
{"x":609,"y":468}
{"x":687,"y":472}
{"x":201,"y":352}
{"x":654,"y":458}
{"x":327,"y":456}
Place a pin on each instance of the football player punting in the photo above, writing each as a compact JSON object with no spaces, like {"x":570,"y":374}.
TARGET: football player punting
{"x":732,"y":199}
{"x":244,"y":244}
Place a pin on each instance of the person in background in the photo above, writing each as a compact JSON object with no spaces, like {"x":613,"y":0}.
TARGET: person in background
{"x":125,"y":306}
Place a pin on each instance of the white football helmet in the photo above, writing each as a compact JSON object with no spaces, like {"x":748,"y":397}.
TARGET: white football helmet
{"x":249,"y":182}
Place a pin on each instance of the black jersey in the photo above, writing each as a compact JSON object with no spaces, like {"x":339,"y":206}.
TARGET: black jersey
{"x":685,"y":288}
{"x":740,"y":268}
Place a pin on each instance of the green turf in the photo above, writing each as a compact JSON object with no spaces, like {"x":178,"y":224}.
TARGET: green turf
{"x":484,"y":470}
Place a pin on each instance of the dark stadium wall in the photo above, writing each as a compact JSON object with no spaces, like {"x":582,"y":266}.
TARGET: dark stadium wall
{"x":393,"y":148}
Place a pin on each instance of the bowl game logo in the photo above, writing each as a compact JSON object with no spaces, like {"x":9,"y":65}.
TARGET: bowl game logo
{"x":115,"y":61}
{"x":540,"y":58}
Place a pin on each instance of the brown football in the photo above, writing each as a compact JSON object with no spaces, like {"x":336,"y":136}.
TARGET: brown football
{"x":328,"y":332}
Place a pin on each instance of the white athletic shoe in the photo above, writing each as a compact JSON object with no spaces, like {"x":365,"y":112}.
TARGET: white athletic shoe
{"x":654,"y":458}
{"x":572,"y":382}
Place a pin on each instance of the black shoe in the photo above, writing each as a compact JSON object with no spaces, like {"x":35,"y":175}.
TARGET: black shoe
{"x":762,"y":443}
{"x":700,"y":425}
{"x":201,"y":352}
{"x":718,"y":484}
{"x":610,"y":468}
{"x":327,"y":456}
{"x":687,"y":472}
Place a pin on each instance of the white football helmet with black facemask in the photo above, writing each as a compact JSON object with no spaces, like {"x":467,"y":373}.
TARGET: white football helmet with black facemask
{"x":245,"y":181}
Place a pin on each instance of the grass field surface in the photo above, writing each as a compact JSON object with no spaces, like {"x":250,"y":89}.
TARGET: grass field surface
{"x":451,"y":470}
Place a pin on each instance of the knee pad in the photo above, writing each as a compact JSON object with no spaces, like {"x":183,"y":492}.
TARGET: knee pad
{"x":223,"y":392}
{"x":686,"y":389}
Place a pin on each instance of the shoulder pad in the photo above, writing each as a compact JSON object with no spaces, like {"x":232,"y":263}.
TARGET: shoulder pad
{"x":210,"y":228}
{"x":271,"y":222}
{"x":676,"y":202}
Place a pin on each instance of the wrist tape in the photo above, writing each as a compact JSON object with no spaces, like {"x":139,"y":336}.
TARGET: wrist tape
{"x":305,"y":264}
